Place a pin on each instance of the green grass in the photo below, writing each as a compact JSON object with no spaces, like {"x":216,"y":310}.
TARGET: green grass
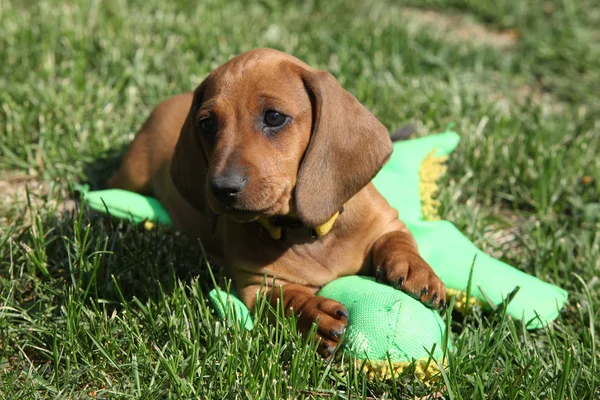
{"x":90,"y":307}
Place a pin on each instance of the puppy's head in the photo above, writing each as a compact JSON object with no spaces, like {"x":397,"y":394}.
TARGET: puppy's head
{"x":270,"y":136}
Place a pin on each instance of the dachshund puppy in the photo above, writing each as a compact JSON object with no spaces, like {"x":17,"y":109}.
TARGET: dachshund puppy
{"x":269,"y":164}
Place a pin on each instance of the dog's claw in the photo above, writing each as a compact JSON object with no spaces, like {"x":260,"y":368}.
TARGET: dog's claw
{"x":342,"y":313}
{"x":404,"y":269}
{"x":326,"y":350}
{"x":443,"y":305}
{"x":337,"y":334}
{"x":401,"y":281}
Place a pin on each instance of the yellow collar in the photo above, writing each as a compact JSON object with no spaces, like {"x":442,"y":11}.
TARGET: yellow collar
{"x":276,"y":231}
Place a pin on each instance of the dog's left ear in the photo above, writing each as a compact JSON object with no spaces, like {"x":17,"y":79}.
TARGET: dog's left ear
{"x":189,"y":164}
{"x":348,"y":146}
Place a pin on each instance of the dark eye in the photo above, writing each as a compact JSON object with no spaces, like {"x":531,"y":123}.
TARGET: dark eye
{"x":274,"y":119}
{"x":208,"y":125}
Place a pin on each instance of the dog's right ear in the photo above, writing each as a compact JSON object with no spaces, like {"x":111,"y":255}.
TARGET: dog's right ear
{"x":347,"y":147}
{"x":189,"y":165}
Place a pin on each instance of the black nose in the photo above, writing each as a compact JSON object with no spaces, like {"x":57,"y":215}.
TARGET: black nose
{"x":226,"y":188}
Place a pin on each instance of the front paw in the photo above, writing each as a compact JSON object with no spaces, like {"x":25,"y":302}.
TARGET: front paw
{"x":411,"y":274}
{"x":331,"y":318}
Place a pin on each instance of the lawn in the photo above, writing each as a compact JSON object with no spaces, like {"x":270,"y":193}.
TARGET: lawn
{"x":93,"y":308}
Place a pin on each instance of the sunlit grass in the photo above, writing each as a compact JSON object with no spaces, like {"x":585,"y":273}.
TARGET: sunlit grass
{"x":97,"y":308}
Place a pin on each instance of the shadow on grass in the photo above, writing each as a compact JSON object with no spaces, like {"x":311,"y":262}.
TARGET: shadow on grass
{"x":100,"y":259}
{"x":101,"y":169}
{"x":114,"y":261}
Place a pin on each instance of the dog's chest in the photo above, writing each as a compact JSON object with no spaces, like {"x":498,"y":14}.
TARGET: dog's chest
{"x":256,"y":255}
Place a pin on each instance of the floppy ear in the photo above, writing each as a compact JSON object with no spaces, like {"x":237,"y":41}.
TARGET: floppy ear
{"x":348,"y":146}
{"x":189,"y":165}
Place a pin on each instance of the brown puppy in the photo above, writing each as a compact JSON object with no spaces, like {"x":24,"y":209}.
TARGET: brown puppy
{"x":269,"y":163}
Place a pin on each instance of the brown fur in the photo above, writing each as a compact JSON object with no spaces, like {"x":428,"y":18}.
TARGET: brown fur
{"x":322,"y":159}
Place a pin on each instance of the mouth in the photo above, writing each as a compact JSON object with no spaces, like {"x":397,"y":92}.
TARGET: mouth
{"x":242,"y":216}
{"x":240,"y":213}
